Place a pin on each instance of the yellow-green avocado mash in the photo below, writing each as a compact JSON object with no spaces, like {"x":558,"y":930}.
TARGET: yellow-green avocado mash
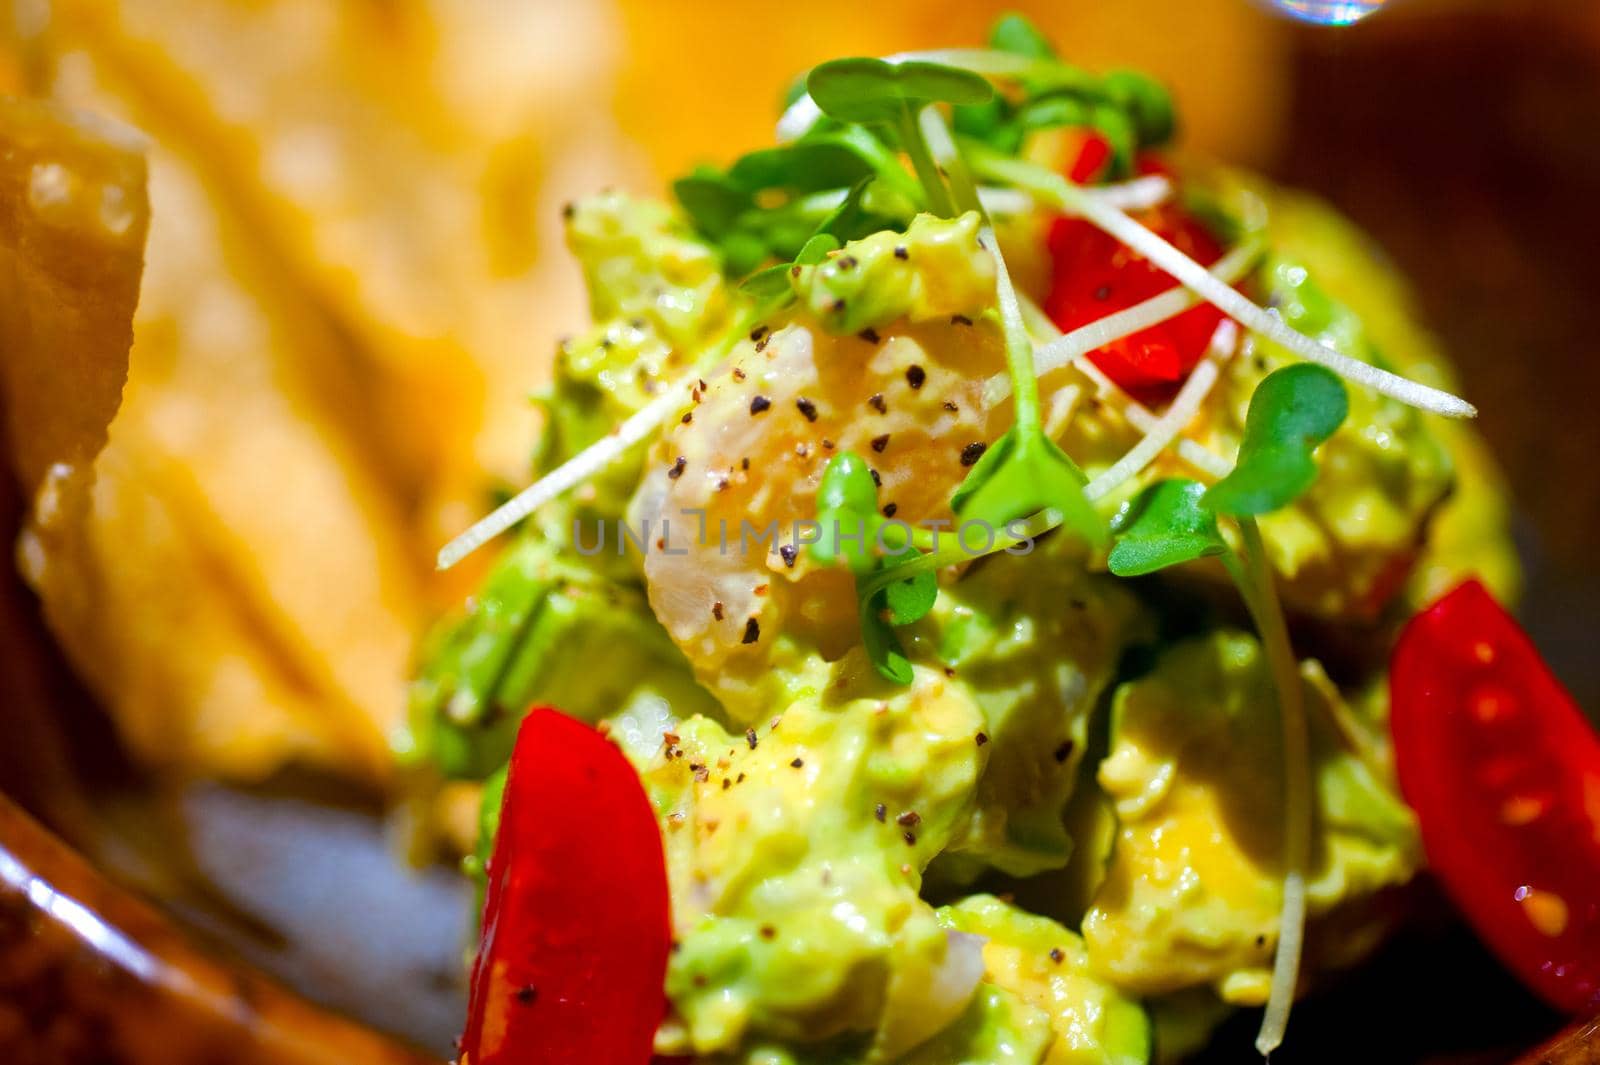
{"x":833,"y":839}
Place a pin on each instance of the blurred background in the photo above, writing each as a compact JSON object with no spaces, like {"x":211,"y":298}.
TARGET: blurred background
{"x":354,"y":277}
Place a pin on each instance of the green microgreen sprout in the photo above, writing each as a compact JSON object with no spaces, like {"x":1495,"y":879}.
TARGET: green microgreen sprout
{"x":1131,"y":110}
{"x":1165,"y":525}
{"x":1048,"y":187}
{"x":735,"y":210}
{"x":851,"y":528}
{"x":1292,"y":411}
{"x":874,"y":92}
{"x":769,"y":289}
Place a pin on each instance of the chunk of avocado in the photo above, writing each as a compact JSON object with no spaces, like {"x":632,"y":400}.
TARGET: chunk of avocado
{"x":1044,"y":969}
{"x":796,"y":854}
{"x":539,"y":612}
{"x":1195,"y":769}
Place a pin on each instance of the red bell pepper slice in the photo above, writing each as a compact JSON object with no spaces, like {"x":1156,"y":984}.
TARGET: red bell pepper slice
{"x":1094,"y":275}
{"x":572,"y":964}
{"x":1504,"y":773}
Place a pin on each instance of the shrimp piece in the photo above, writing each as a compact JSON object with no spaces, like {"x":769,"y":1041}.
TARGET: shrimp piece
{"x":729,"y":489}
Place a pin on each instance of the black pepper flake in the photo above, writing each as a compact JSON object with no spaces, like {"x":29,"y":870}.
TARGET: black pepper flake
{"x":752,"y":631}
{"x":744,"y":464}
{"x":761,"y":345}
{"x":751,"y":738}
{"x":1057,"y":956}
{"x":1261,"y":941}
{"x":870,"y":335}
{"x":797,"y":763}
{"x":878,"y":403}
{"x":688,"y":416}
{"x":759,"y":404}
{"x":788,"y":551}
{"x":973,"y":452}
{"x":915,"y":375}
{"x":1064,"y":751}
{"x":526,"y":994}
{"x":794,"y":271}
{"x":726,"y":783}
{"x":880,"y":442}
{"x":806,"y":407}
{"x":827,"y":444}
{"x":738,"y":374}
{"x":960,"y":319}
{"x":838,"y":305}
{"x":950,"y":405}
{"x":877,"y":481}
{"x":739,"y":779}
{"x":900,"y":252}
{"x":768,"y":932}
{"x":910,"y":838}
{"x":880,"y":811}
{"x":890,"y":509}
{"x":909,"y":819}
{"x":716,"y":610}
{"x":847,"y":262}
{"x":982,"y":738}
{"x":1103,"y":292}
{"x":677,"y":468}
{"x":568,"y":209}
{"x":758,"y":332}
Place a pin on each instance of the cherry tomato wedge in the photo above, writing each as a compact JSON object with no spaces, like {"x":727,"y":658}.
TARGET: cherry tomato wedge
{"x":1094,"y":275}
{"x":572,"y":964}
{"x":1504,"y":773}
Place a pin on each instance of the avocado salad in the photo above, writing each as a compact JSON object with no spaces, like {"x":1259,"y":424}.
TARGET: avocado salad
{"x":980,"y":533}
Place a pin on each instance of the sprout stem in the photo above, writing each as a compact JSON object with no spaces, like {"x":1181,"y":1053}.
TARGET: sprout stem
{"x":1058,"y":191}
{"x":1185,"y":405}
{"x":1256,"y":585}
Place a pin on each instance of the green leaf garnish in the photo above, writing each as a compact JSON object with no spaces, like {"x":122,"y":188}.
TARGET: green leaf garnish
{"x":712,"y":200}
{"x":1024,"y":472}
{"x":880,"y":93}
{"x":883,"y":647}
{"x":911,"y":599}
{"x":1021,"y":474}
{"x":1165,"y":525}
{"x":1146,"y":101}
{"x":1292,"y":411}
{"x":818,"y":248}
{"x":769,"y":289}
{"x":1017,"y":34}
{"x":822,"y":159}
{"x":847,"y":511}
{"x":872,"y":90}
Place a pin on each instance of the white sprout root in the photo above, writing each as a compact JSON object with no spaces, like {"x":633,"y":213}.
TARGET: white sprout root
{"x":1071,"y":347}
{"x":567,"y":476}
{"x":1068,"y":197}
{"x":1185,"y":405}
{"x":1138,"y":415}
